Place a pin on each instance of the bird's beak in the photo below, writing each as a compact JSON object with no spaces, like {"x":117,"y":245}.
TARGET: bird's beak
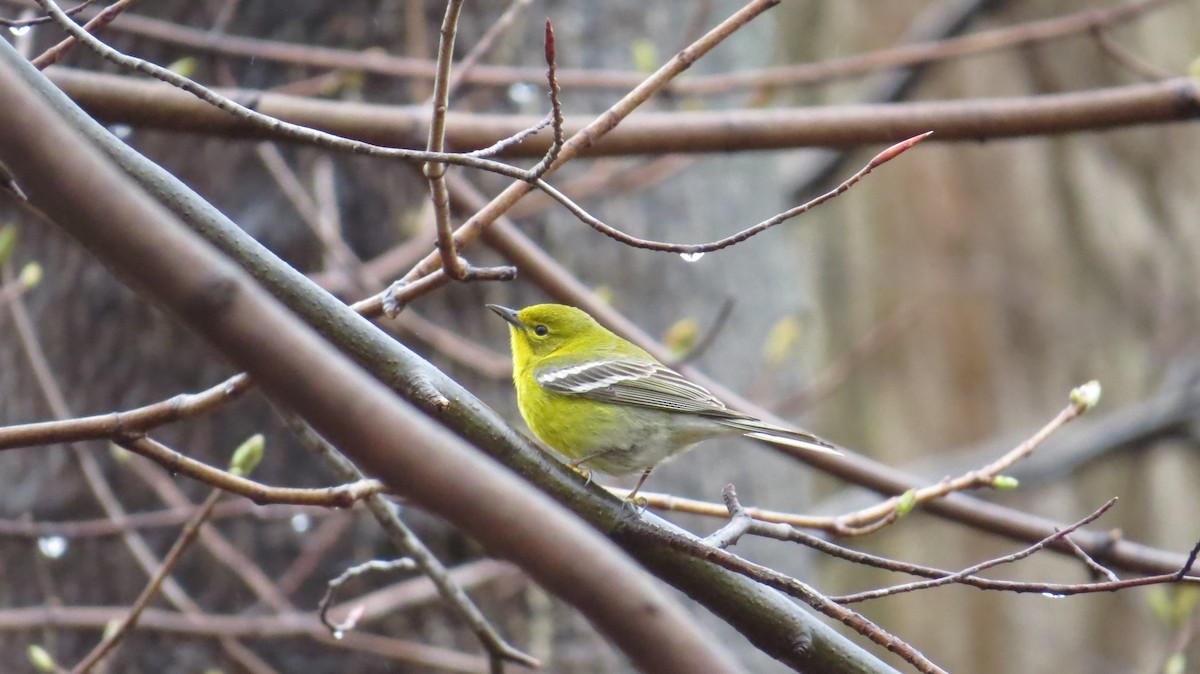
{"x":507,"y":314}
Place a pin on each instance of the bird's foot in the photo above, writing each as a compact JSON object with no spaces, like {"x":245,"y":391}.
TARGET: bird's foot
{"x":583,"y":472}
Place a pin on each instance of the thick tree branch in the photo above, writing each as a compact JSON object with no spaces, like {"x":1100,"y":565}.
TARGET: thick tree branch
{"x":119,"y":99}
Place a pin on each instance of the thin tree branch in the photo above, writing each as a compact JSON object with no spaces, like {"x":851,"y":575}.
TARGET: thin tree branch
{"x":972,"y":570}
{"x":105,"y":17}
{"x":132,"y":422}
{"x":436,"y":172}
{"x":339,"y":629}
{"x":25,"y":23}
{"x":341,"y":496}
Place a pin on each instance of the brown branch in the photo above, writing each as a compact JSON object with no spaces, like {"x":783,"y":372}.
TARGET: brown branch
{"x":139,"y":420}
{"x":341,"y":496}
{"x":120,"y":99}
{"x":436,"y":172}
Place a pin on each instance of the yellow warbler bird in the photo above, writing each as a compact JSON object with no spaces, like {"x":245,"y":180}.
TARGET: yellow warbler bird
{"x":607,"y":404}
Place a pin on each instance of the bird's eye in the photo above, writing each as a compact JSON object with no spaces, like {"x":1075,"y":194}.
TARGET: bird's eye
{"x":541,"y":331}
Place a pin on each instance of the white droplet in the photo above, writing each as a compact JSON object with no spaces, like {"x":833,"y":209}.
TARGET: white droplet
{"x":1051,"y":595}
{"x":301,"y":522}
{"x":121,"y":130}
{"x":52,"y":546}
{"x":20,"y":30}
{"x":339,"y":635}
{"x":691,"y":257}
{"x":522,"y":93}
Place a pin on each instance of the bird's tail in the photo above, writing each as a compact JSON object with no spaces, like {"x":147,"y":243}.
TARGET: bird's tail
{"x":761,"y":430}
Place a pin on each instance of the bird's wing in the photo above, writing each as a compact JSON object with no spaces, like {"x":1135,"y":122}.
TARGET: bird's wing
{"x":631,"y":382}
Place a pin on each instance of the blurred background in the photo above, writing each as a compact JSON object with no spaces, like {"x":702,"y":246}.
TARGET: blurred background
{"x":931,"y":318}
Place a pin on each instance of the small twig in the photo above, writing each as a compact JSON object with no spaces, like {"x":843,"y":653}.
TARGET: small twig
{"x":1097,"y":569}
{"x":873,"y":518}
{"x":105,"y":17}
{"x":500,"y":146}
{"x":25,"y":23}
{"x":341,"y":496}
{"x":435,"y":172}
{"x":739,"y":524}
{"x":189,"y":534}
{"x":556,"y":116}
{"x":339,"y":629}
{"x":1187,"y":565}
{"x":701,"y":248}
{"x":417,"y":282}
{"x":398,"y":295}
{"x":11,"y":290}
{"x":139,"y":420}
{"x":972,"y":570}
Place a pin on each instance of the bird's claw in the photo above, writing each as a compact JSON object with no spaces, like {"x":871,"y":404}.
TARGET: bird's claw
{"x":583,"y":472}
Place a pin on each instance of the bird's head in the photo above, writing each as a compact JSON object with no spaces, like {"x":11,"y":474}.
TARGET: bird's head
{"x":542,"y":329}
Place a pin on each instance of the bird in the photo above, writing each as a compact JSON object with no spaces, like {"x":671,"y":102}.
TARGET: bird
{"x":608,"y":405}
